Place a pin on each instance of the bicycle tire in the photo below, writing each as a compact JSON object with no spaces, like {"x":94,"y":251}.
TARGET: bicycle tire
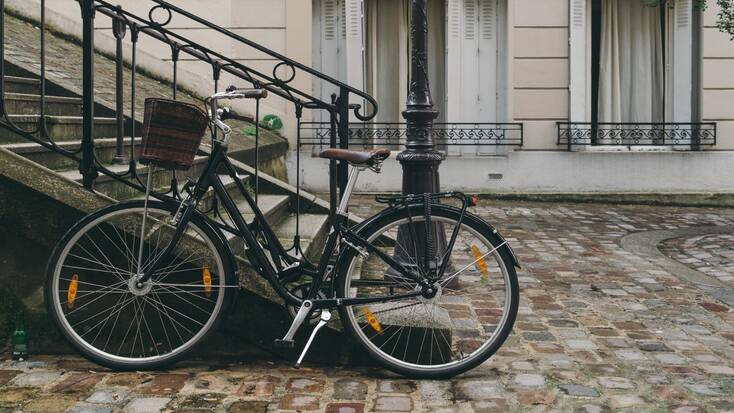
{"x":209,"y":235}
{"x":372,"y":229}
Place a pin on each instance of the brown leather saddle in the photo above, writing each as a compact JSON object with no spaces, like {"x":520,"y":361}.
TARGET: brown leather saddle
{"x":370,"y":158}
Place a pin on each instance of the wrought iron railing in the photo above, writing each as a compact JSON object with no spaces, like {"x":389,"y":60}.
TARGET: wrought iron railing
{"x":156,"y":25}
{"x":128,"y":25}
{"x":679,"y":135}
{"x":369,"y":134}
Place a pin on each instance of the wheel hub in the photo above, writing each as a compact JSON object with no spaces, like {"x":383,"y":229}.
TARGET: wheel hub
{"x":430,"y":293}
{"x":138,"y":288}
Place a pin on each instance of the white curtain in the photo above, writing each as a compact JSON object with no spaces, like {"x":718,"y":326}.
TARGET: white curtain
{"x":631,"y":80}
{"x":387,"y":58}
{"x":388,"y":54}
{"x":437,"y":55}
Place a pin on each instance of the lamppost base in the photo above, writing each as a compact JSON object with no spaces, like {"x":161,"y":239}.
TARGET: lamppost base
{"x":420,"y":170}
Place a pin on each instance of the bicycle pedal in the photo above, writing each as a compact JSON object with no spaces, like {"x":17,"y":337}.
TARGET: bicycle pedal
{"x":280,"y":343}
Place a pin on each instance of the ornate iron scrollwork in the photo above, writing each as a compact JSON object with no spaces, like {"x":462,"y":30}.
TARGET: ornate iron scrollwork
{"x":368,"y":135}
{"x":679,"y":135}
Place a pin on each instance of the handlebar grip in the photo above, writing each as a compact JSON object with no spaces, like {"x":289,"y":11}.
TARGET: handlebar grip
{"x":249,"y":93}
{"x":228,"y":113}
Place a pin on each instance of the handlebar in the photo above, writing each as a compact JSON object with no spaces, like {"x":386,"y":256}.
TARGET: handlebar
{"x":227,"y":113}
{"x":218,"y":115}
{"x":249,"y":93}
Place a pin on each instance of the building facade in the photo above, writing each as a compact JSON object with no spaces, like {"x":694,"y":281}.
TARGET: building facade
{"x":544,"y":95}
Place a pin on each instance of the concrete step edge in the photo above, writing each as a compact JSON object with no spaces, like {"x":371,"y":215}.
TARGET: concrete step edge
{"x":74,"y":175}
{"x":26,"y":80}
{"x":13,"y":96}
{"x":60,"y":120}
{"x":274,"y":203}
{"x":32,"y":147}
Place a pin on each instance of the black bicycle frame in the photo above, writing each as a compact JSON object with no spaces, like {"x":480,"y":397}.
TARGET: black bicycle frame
{"x":256,"y":253}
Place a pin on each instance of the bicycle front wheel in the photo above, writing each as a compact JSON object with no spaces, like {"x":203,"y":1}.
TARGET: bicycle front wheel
{"x":462,"y":324}
{"x":92,"y":294}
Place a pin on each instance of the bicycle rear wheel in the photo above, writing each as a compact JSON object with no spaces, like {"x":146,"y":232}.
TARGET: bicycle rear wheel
{"x":92,"y":295}
{"x":459,"y":327}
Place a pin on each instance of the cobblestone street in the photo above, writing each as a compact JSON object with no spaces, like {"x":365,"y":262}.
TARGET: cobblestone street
{"x":606,"y":323}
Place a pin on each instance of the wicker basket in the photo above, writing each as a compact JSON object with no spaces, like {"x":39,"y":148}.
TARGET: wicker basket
{"x":172,"y":133}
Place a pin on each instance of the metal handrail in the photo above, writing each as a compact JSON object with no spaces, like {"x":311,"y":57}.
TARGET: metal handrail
{"x":273,"y":83}
{"x":279,"y":57}
{"x":124,"y":22}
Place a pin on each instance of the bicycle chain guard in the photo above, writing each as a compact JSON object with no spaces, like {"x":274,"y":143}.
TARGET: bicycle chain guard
{"x":300,"y":291}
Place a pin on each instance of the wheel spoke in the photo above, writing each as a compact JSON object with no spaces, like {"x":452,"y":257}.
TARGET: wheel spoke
{"x":438,"y":329}
{"x":119,"y":321}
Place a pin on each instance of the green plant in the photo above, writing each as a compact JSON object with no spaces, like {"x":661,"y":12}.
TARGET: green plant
{"x":726,"y":17}
{"x":725,"y":20}
{"x":701,"y":4}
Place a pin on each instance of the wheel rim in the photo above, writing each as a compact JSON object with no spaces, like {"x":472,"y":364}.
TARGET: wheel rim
{"x":112,"y":317}
{"x":452,"y":304}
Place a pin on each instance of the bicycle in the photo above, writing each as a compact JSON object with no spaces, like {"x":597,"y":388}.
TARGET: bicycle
{"x":427,"y":288}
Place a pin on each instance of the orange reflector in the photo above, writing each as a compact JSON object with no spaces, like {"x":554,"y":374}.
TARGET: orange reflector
{"x":71,"y":293}
{"x":372,"y":320}
{"x":481,"y":264}
{"x":207,"y":278}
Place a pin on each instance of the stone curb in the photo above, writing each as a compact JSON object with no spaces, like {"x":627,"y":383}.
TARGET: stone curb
{"x":645,"y":244}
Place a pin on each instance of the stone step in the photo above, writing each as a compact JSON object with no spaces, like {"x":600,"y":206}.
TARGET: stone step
{"x":313,"y":231}
{"x":14,"y":84}
{"x":29,"y":104}
{"x":121,"y":191}
{"x":229,"y":184}
{"x":105,"y":149}
{"x":274,"y":207}
{"x":60,"y":128}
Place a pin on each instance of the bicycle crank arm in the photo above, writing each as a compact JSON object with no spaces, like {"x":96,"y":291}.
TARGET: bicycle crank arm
{"x":303,"y":312}
{"x":325,"y":317}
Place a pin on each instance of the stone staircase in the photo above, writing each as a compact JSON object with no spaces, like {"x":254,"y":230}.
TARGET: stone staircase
{"x":64,"y":122}
{"x":53,"y":183}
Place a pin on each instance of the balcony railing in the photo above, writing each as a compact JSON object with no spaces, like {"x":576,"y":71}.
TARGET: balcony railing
{"x":678,"y":135}
{"x":369,"y":135}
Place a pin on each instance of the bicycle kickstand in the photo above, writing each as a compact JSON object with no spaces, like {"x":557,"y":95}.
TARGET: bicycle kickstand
{"x":303,"y":312}
{"x":325,"y":317}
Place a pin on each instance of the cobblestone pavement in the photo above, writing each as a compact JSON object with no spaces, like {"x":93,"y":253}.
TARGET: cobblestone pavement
{"x":599,"y":329}
{"x":712,"y":254}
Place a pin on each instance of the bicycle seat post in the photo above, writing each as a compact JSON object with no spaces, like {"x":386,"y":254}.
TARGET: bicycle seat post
{"x":353,"y":175}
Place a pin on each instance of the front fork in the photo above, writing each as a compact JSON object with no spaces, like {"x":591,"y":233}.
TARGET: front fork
{"x":194,"y":193}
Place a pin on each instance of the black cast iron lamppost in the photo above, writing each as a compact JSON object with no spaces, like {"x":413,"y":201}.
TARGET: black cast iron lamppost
{"x":420,"y":159}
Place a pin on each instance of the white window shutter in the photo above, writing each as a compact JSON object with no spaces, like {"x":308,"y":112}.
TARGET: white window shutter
{"x":454,"y":17}
{"x":487,"y":67}
{"x":487,"y":61}
{"x":469,"y":106}
{"x":355,"y":49}
{"x":327,"y":20}
{"x":471,"y":63}
{"x":577,"y":61}
{"x":682,"y":60}
{"x":341,"y":48}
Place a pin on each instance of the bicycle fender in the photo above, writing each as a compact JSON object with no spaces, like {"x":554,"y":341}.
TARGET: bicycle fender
{"x":508,"y":248}
{"x":510,"y":251}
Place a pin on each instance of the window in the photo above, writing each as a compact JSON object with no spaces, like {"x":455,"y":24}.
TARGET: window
{"x":472,"y":60}
{"x":388,"y":54}
{"x":366,"y":43}
{"x":631,"y":62}
{"x":628,"y":61}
